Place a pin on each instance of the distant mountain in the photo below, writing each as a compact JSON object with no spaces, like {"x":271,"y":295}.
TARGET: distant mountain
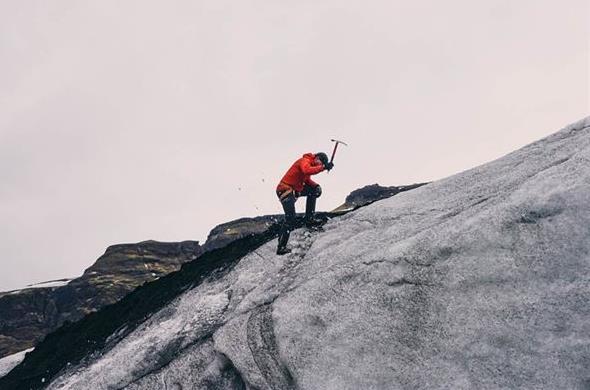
{"x":27,"y":315}
{"x":476,"y":281}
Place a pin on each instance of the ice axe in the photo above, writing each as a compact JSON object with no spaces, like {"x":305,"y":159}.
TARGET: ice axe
{"x":336,"y":147}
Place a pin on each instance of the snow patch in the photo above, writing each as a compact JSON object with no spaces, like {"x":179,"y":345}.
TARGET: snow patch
{"x":48,"y":284}
{"x":7,"y":363}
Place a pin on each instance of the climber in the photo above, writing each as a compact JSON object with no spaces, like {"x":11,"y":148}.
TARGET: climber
{"x":297,"y":182}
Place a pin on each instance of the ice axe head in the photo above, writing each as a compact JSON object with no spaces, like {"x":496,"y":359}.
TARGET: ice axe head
{"x":336,"y":142}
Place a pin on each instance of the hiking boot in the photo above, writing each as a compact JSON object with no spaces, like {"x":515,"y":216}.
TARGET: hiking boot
{"x":283,"y":251}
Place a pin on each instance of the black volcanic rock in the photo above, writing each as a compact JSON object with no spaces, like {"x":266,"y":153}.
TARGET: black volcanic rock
{"x":228,"y":232}
{"x":27,"y":315}
{"x":372,"y":193}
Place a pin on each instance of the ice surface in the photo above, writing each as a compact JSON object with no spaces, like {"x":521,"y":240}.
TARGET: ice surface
{"x":480,"y":280}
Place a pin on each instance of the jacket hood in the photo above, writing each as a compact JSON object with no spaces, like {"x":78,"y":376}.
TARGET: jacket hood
{"x":310,"y":156}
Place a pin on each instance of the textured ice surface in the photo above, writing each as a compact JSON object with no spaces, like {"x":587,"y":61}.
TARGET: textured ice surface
{"x":7,"y":363}
{"x":480,"y":280}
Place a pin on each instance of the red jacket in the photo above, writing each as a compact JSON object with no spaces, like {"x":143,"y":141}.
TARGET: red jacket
{"x":300,"y":172}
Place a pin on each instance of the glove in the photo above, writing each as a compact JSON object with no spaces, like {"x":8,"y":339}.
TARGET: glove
{"x":329,"y":166}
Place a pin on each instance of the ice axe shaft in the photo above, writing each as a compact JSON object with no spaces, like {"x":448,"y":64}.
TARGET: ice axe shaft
{"x":336,"y":147}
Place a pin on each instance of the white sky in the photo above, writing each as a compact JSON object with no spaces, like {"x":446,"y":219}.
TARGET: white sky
{"x":122,"y":121}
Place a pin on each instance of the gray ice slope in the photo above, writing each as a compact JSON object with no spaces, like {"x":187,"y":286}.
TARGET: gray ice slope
{"x":477,"y":281}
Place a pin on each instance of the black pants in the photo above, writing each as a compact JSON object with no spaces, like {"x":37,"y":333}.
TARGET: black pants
{"x":288,"y":203}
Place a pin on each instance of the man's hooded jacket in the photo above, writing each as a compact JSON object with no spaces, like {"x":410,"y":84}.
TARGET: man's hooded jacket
{"x":299,"y":174}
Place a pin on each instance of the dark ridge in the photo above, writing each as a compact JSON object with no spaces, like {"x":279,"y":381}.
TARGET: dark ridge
{"x":371,"y":193}
{"x":157,"y":247}
{"x":73,"y":342}
{"x":223,"y":234}
{"x":375,"y":192}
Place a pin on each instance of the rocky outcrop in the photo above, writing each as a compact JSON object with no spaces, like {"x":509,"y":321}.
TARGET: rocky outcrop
{"x":27,"y":315}
{"x":372,"y":193}
{"x":228,"y":232}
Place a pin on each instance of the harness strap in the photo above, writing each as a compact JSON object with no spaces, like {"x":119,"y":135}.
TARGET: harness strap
{"x":284,"y":194}
{"x":284,"y":190}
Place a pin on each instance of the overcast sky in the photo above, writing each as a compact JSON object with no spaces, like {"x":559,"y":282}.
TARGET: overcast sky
{"x":122,"y":121}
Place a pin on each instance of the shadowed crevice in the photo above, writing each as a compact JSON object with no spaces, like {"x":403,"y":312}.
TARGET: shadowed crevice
{"x":264,"y":349}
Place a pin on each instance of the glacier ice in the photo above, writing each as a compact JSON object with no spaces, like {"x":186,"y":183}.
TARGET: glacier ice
{"x":479,"y":280}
